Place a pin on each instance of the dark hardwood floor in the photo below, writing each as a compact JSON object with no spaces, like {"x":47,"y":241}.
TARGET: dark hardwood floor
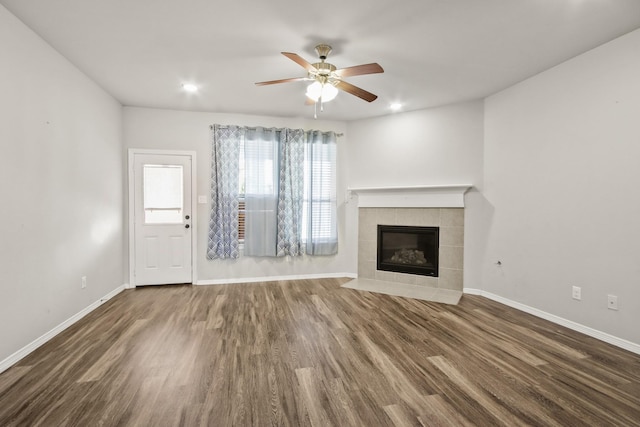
{"x":311,"y":353}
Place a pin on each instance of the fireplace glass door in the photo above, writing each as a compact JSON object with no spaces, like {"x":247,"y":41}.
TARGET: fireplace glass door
{"x":412,"y":250}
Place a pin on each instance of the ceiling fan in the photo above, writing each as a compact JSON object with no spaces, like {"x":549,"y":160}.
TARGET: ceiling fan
{"x":327,"y":79}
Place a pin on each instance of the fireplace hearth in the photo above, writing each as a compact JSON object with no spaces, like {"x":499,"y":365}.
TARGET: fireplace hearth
{"x":408,"y":249}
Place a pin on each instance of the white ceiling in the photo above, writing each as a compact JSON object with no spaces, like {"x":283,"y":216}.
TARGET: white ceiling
{"x":434,"y":52}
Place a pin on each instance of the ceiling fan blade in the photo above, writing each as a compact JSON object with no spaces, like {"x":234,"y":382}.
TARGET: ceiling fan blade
{"x":273,"y":82}
{"x":359,"y":70}
{"x":354,"y":90}
{"x":300,"y":61}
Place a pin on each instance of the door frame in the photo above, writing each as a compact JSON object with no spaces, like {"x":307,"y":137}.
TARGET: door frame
{"x":131,"y":206}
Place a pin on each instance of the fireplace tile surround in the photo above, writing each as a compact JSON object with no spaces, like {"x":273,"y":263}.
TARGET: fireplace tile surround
{"x":451,"y":224}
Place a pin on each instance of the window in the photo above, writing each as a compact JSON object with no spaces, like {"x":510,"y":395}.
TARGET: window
{"x":241,"y":218}
{"x":284,"y":199}
{"x":162,"y":194}
{"x":257,"y":177}
{"x":241,"y":202}
{"x":319,"y":198}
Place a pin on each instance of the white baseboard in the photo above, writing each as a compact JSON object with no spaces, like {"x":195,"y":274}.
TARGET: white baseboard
{"x":24,"y":351}
{"x":275,"y":278}
{"x":594,"y":333}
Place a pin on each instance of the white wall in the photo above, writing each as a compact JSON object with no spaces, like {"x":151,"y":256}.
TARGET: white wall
{"x":438,"y":146}
{"x":562,"y":184}
{"x":180,"y":130}
{"x":60,"y":187}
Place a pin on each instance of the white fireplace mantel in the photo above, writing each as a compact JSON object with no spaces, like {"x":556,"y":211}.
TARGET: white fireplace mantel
{"x":417,"y":196}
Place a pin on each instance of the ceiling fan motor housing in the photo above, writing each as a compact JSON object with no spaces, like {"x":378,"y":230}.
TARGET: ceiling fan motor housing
{"x":324,"y":68}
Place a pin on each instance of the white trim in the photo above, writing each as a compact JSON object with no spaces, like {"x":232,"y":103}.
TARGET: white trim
{"x":194,"y":209}
{"x":130,"y":217}
{"x":594,"y":333}
{"x":275,"y":278}
{"x":26,"y":350}
{"x":416,"y":196}
{"x":194,"y":219}
{"x":451,"y":187}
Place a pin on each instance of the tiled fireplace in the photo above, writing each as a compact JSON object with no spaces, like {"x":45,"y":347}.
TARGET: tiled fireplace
{"x":450,"y":222}
{"x":438,"y":208}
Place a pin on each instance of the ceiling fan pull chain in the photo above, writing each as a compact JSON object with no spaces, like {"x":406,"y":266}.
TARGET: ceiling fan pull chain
{"x":315,"y":110}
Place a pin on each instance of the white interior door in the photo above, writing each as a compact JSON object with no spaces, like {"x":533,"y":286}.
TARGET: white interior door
{"x":162,"y":219}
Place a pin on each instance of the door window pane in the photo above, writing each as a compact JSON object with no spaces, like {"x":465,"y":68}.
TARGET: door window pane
{"x":162,"y":193}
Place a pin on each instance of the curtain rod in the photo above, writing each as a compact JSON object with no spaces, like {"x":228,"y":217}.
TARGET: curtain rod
{"x":255,"y":128}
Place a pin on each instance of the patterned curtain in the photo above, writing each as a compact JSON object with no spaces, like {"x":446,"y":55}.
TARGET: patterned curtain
{"x":223,"y":223}
{"x":290,"y":193}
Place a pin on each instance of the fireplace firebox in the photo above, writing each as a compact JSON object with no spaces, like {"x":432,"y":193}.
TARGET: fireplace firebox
{"x":406,"y":249}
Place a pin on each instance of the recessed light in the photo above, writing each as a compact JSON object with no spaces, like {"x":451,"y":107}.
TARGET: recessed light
{"x":396,"y":106}
{"x":189,"y":87}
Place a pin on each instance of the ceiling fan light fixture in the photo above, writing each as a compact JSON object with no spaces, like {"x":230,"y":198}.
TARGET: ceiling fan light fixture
{"x":317,"y":90}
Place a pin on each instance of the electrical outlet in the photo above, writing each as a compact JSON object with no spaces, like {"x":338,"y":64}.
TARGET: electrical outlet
{"x":83,"y":282}
{"x":612,"y":302}
{"x":576,"y":293}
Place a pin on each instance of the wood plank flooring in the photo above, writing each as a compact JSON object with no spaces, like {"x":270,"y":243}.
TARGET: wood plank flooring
{"x":309,"y":353}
